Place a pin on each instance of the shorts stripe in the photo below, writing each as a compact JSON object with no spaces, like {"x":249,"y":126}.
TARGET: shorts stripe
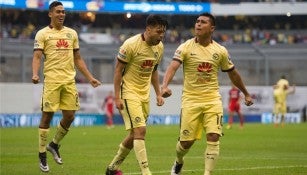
{"x":127,"y":109}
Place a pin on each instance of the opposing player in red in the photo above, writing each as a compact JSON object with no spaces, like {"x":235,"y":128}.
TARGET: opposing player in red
{"x":108,"y":107}
{"x":234,"y":106}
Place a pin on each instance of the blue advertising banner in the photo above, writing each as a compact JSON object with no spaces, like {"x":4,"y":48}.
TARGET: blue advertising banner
{"x":113,"y":6}
{"x":28,"y":120}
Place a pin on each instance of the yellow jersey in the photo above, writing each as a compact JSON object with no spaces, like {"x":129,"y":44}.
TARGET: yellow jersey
{"x":200,"y":71}
{"x":141,"y":60}
{"x":281,"y":91}
{"x":58,"y":47}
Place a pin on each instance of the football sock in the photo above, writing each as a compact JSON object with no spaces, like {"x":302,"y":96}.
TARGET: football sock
{"x":181,"y":152}
{"x":42,"y":139}
{"x":122,"y":153}
{"x":141,"y":156}
{"x":60,"y":133}
{"x":211,"y":156}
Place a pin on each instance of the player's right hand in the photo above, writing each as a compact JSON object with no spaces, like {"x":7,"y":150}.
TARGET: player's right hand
{"x":248,"y":100}
{"x":166,"y":92}
{"x":35,"y":79}
{"x":119,"y":104}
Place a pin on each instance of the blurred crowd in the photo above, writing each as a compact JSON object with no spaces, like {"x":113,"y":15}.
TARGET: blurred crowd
{"x":23,"y":24}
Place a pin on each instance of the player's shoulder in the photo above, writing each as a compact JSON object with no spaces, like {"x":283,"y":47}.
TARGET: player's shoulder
{"x":133,"y":39}
{"x":218,"y":46}
{"x":187,"y":45}
{"x":70,"y":30}
{"x":43,"y":30}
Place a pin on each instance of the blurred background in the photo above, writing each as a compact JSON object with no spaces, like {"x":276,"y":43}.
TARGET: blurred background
{"x":265,"y":38}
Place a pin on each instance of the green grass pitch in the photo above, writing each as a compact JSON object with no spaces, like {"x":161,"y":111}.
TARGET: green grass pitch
{"x":258,"y":149}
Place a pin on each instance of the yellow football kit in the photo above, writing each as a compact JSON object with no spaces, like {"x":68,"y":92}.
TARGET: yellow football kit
{"x":59,"y":90}
{"x":201,"y":100}
{"x":141,"y":60}
{"x":280,"y":97}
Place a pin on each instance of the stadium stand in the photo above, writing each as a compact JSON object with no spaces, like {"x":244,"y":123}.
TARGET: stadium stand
{"x":263,"y":47}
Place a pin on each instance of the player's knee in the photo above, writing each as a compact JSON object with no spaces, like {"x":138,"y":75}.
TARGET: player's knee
{"x":187,"y":144}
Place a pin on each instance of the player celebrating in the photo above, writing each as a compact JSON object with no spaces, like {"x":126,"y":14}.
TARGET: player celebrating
{"x":281,"y":91}
{"x":135,"y":70}
{"x":201,"y":107}
{"x":60,"y":47}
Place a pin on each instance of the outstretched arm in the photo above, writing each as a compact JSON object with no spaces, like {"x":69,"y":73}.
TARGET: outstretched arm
{"x":237,"y":81}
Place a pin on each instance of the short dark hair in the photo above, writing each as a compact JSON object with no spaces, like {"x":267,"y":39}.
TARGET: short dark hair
{"x":212,"y":18}
{"x":153,"y":20}
{"x":54,"y":4}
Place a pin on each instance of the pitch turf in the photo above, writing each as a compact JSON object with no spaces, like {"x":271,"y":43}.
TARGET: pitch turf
{"x":256,"y":150}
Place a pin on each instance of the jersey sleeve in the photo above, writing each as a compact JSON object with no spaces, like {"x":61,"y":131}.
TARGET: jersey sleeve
{"x":125,"y":52}
{"x":226,"y":63}
{"x":39,"y":41}
{"x":76,"y":41}
{"x":179,"y":54}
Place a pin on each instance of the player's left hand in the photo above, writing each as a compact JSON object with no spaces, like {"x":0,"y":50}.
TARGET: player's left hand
{"x":248,"y":100}
{"x":160,"y":101}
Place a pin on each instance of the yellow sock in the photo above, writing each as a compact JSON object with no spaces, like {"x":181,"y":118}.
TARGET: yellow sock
{"x":181,"y":152}
{"x":42,"y":139}
{"x":60,"y":133}
{"x":211,"y":156}
{"x":141,"y":156}
{"x":122,"y":153}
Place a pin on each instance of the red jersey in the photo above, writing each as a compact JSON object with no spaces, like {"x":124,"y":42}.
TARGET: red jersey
{"x":109,"y":102}
{"x":234,"y":99}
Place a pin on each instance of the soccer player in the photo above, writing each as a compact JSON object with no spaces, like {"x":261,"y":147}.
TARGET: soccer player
{"x":135,"y":70}
{"x":201,"y":107}
{"x":234,"y":106}
{"x":281,"y":91}
{"x":60,"y":47}
{"x":108,"y":107}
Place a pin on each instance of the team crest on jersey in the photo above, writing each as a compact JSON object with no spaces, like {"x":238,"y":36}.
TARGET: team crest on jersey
{"x":62,"y":44}
{"x":138,"y":119}
{"x":69,"y":35}
{"x":156,"y":55}
{"x":215,"y":56}
{"x":186,"y":132}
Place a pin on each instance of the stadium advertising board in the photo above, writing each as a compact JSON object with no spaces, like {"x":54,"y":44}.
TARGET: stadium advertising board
{"x":112,"y":6}
{"x":18,"y":112}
